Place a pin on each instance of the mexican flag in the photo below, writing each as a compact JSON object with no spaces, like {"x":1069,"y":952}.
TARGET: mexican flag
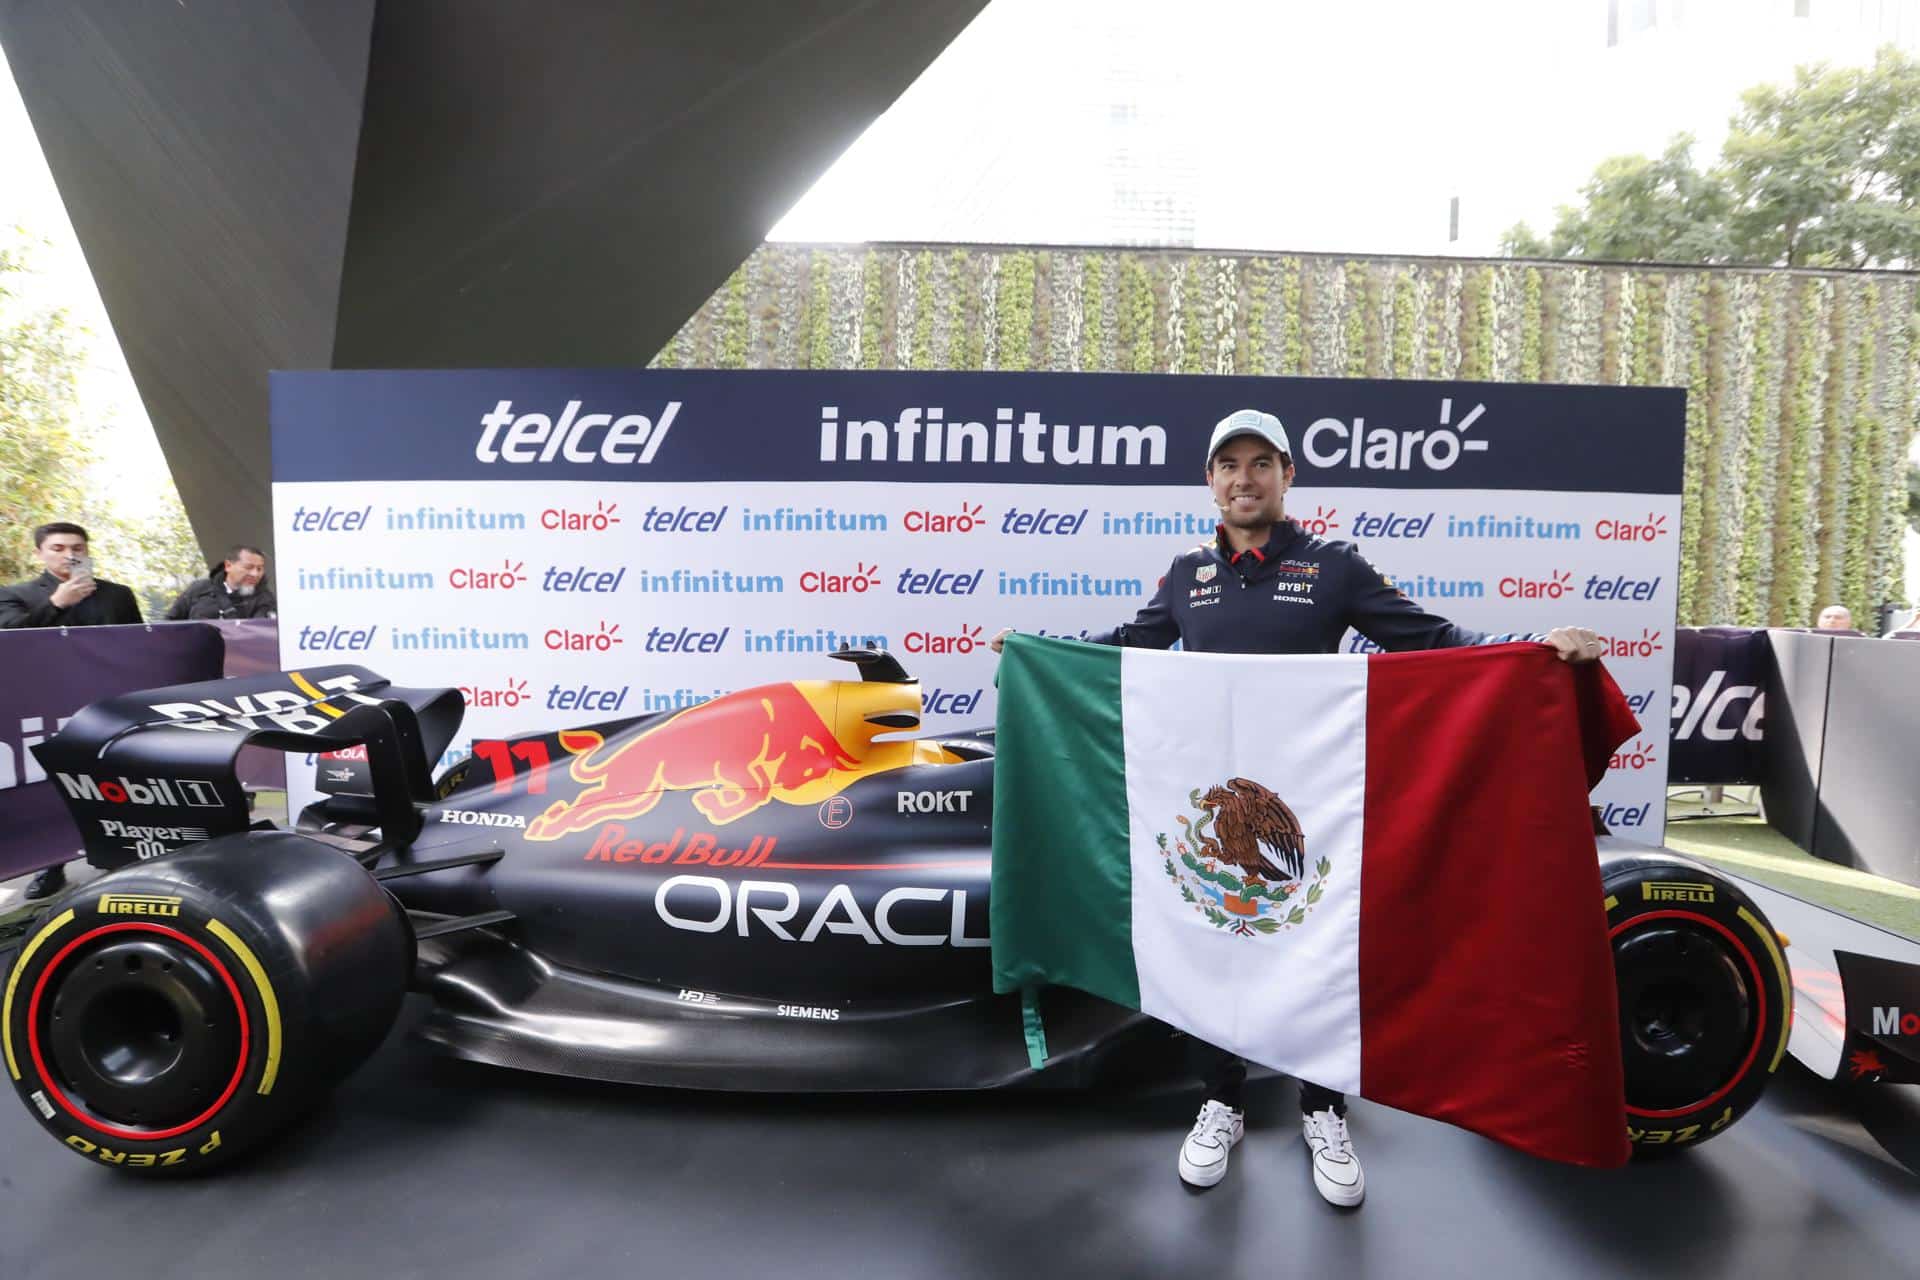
{"x":1373,"y":872}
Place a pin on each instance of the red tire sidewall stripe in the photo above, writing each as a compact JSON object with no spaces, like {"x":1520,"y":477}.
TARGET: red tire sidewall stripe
{"x":1760,"y":995}
{"x":46,"y":1077}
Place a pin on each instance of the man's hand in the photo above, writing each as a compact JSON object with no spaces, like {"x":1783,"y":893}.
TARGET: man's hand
{"x":72,"y":592}
{"x":1000,"y":640}
{"x":1575,"y":644}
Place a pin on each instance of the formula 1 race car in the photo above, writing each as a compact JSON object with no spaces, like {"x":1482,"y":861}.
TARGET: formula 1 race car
{"x":773,"y":890}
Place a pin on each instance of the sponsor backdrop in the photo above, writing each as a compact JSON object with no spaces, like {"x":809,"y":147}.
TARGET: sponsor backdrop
{"x":577,"y":546}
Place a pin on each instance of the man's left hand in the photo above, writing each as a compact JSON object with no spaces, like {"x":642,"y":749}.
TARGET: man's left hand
{"x":1575,"y":644}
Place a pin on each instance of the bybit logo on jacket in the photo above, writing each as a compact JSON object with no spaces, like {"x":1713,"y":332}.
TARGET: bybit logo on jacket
{"x":574,"y":437}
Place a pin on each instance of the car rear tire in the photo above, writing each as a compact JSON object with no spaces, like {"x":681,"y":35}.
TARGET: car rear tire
{"x":1705,"y":999}
{"x":168,"y":1016}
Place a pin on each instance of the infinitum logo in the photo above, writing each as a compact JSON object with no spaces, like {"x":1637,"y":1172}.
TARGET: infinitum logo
{"x":818,"y":520}
{"x":369,"y":578}
{"x":1523,"y":528}
{"x":1067,"y":584}
{"x":923,"y":435}
{"x":1333,"y":442}
{"x":534,"y":437}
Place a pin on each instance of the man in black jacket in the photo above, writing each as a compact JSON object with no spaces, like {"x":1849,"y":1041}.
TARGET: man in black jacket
{"x":231,"y":589}
{"x":67,"y":594}
{"x":1264,"y":585}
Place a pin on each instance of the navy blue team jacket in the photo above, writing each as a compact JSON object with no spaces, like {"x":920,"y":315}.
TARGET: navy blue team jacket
{"x":1297,"y":594}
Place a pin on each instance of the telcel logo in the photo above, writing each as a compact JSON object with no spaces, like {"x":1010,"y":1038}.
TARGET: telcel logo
{"x":1331,"y":442}
{"x":966,"y":520}
{"x":1648,"y":644}
{"x":567,"y":640}
{"x":1549,"y":588}
{"x":1707,"y":711}
{"x":1635,"y":758}
{"x":1622,"y":815}
{"x":863,"y":579}
{"x":511,"y":694}
{"x":1391,"y":524}
{"x":1323,"y":521}
{"x":1649,"y":530}
{"x":951,"y":702}
{"x":509,"y":575}
{"x":966,"y":640}
{"x":1620,"y":588}
{"x":939,"y":582}
{"x":534,"y":437}
{"x":586,"y":698}
{"x":1058,"y":524}
{"x":569,"y":520}
{"x":329,"y":638}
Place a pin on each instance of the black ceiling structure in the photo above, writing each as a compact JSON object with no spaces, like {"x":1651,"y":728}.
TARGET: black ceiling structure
{"x":301,"y":184}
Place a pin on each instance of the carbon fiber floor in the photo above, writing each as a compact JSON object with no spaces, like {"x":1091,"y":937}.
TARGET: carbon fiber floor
{"x":428,"y":1168}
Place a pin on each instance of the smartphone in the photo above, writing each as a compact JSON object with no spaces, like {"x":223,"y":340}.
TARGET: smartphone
{"x":79,"y":568}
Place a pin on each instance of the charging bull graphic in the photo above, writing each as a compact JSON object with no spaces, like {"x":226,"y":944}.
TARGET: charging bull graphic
{"x":736,"y":753}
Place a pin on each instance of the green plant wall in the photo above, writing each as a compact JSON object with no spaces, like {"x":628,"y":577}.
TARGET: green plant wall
{"x":1800,"y":406}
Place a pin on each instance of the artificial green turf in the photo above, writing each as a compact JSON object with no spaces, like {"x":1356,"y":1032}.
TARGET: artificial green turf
{"x":1749,"y":847}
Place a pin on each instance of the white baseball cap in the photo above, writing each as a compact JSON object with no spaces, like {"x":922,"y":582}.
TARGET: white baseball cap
{"x":1249,"y":422}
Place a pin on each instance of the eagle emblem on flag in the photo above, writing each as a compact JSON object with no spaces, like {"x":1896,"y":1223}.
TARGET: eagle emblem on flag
{"x":1241,"y":859}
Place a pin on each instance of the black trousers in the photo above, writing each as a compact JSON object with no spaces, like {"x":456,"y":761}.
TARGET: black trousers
{"x":1225,"y":1075}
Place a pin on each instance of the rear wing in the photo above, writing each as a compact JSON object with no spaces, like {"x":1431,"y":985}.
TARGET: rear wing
{"x":145,"y":773}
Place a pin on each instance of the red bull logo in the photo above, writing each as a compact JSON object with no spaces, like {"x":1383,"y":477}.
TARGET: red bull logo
{"x":736,"y":753}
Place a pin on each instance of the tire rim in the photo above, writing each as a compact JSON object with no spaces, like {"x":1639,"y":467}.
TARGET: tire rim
{"x":138,"y":1031}
{"x":1690,"y":1012}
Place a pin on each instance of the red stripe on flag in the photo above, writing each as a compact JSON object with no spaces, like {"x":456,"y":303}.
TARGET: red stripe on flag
{"x":1487,"y":994}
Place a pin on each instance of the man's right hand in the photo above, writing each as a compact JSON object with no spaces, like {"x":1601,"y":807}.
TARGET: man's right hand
{"x":72,"y":592}
{"x":1000,"y":640}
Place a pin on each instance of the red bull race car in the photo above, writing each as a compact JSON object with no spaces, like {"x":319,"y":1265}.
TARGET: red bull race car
{"x":779,"y":889}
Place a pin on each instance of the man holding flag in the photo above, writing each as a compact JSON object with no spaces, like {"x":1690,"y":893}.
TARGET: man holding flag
{"x":1265,"y":586}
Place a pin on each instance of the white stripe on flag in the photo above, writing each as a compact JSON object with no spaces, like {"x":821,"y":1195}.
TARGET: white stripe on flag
{"x":1297,"y":725}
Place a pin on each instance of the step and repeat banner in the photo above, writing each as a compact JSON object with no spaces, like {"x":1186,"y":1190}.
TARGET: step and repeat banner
{"x":577,"y":546}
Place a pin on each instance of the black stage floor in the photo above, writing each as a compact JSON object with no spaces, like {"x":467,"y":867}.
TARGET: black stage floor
{"x":422,"y":1167}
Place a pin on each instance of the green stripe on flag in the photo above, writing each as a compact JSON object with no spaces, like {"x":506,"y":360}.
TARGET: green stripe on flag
{"x":1062,"y":898}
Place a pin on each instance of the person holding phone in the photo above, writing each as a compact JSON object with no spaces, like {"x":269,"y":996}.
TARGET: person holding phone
{"x":66,"y":594}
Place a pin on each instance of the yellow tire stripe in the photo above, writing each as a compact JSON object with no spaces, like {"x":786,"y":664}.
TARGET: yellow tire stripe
{"x":267,"y":1000}
{"x":1786,"y":985}
{"x":1611,"y":902}
{"x":47,"y":930}
{"x":306,"y":686}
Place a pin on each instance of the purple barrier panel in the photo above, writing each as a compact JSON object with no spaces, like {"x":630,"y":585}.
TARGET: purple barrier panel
{"x":1719,"y":701}
{"x":50,"y":674}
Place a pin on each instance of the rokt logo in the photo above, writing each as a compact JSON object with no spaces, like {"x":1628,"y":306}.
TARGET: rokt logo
{"x":1554,"y":587}
{"x":567,"y":640}
{"x":534,"y":437}
{"x":933,"y":801}
{"x":509,"y":575}
{"x":1634,"y":759}
{"x":966,"y":520}
{"x":1330,"y":442}
{"x":863,"y":579}
{"x":1322,"y":522}
{"x":511,"y":694}
{"x":965,"y":640}
{"x":1648,"y":644}
{"x":572,"y":520}
{"x":939,"y":582}
{"x":1651,"y":529}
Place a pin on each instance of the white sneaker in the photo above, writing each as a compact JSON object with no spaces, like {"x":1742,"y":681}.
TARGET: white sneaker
{"x":1203,"y":1156}
{"x":1336,"y":1169}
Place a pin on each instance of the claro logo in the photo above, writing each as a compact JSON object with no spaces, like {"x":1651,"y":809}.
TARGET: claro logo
{"x":506,"y":436}
{"x":1334,"y":442}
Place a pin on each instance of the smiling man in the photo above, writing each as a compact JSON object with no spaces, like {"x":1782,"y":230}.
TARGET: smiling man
{"x":1264,"y":585}
{"x":234,"y":589}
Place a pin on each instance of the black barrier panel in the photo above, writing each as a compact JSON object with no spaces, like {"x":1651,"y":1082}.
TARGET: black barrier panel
{"x":1797,"y":709}
{"x":1869,"y":796}
{"x":1719,"y":704}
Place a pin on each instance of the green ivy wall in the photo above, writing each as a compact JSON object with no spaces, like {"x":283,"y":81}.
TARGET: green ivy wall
{"x":1800,"y":411}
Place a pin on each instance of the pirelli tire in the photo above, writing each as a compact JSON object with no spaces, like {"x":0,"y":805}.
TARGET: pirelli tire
{"x":1705,"y":999}
{"x":170,"y":1015}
